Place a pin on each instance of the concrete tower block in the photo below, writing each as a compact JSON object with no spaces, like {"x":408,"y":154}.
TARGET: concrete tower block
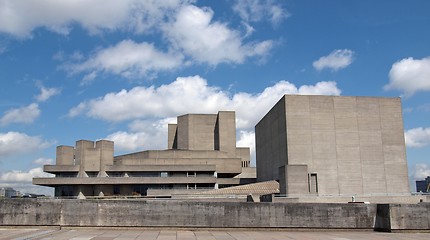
{"x":80,"y":155}
{"x":183,"y":132}
{"x":106,"y":149}
{"x":65,"y":155}
{"x":196,"y":131}
{"x":226,"y":126}
{"x":172,"y":140}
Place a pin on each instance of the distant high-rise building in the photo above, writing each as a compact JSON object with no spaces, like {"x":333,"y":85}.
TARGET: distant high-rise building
{"x":423,"y":185}
{"x":8,"y":192}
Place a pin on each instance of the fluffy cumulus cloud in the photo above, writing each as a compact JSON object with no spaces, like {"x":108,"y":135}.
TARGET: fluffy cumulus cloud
{"x":15,"y":142}
{"x":259,"y":10}
{"x":46,"y":93}
{"x":23,"y":176}
{"x":21,"y":180}
{"x":421,"y":171}
{"x":192,"y":95}
{"x":205,"y":41}
{"x":336,"y":60}
{"x":25,"y":114}
{"x":247,"y":139}
{"x":188,"y":30}
{"x":142,"y":134}
{"x":44,"y":161}
{"x":125,"y":141}
{"x":409,"y":76}
{"x":93,"y":15}
{"x":417,"y":137}
{"x":128,"y":59}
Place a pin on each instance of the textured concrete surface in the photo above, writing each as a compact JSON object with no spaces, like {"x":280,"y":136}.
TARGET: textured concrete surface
{"x":353,"y":145}
{"x":155,"y":234}
{"x":179,"y":213}
{"x":172,"y":213}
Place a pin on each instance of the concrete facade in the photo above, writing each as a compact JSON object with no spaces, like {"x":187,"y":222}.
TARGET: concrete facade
{"x":201,"y":154}
{"x":333,"y":145}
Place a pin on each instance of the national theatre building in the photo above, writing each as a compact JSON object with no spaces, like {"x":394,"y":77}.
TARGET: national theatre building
{"x":201,"y":155}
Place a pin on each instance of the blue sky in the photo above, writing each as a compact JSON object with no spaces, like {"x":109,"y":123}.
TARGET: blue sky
{"x":122,"y":70}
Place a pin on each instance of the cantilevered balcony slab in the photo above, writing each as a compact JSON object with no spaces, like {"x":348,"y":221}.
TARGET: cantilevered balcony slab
{"x":60,"y":168}
{"x":120,"y":180}
{"x":160,"y":168}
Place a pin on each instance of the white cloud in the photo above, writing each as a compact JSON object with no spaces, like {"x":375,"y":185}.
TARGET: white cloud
{"x":128,"y":59}
{"x":20,"y":18}
{"x":22,"y":180}
{"x":410,"y":75}
{"x":421,"y":171}
{"x":192,"y":95}
{"x":44,"y":161}
{"x":46,"y":93}
{"x":23,"y":176}
{"x":336,"y":60}
{"x":144,"y":134}
{"x":125,"y":141}
{"x":417,"y":137}
{"x":18,"y":143}
{"x":194,"y":33}
{"x":21,"y":115}
{"x":247,"y":139}
{"x":190,"y":35}
{"x":259,"y":10}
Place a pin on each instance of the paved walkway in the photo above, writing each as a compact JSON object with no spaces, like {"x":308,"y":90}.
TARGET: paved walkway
{"x":151,"y":234}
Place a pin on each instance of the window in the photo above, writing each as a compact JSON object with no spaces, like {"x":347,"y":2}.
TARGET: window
{"x":313,"y":183}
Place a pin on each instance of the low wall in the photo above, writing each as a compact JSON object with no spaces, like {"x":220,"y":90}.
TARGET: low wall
{"x":171,"y":213}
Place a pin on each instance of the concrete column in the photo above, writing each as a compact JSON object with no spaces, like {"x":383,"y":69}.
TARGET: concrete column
{"x":80,"y":148}
{"x":106,"y":155}
{"x":226,"y":126}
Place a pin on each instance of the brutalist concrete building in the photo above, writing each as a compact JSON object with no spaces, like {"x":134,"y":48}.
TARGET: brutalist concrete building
{"x":333,"y":145}
{"x":201,"y":155}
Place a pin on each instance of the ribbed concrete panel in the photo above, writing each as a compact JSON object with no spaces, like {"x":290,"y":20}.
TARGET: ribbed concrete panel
{"x":301,"y":122}
{"x":347,"y":138}
{"x":322,"y":121}
{"x":299,"y":136}
{"x":369,"y":123}
{"x":370,"y":138}
{"x":300,"y":154}
{"x":346,"y":123}
{"x":357,"y":143}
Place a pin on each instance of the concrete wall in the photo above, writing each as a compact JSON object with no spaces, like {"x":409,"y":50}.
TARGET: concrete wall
{"x":226,"y":126}
{"x":129,"y":213}
{"x":271,"y":145}
{"x":354,"y":145}
{"x":196,"y":131}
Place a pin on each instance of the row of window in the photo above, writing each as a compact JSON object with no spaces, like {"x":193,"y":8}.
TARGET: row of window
{"x":141,"y":174}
